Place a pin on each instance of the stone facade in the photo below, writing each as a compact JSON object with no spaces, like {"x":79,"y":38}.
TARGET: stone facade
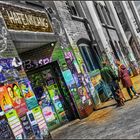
{"x":75,"y":29}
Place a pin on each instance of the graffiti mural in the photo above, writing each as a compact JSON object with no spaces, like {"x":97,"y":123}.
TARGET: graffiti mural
{"x":3,"y":40}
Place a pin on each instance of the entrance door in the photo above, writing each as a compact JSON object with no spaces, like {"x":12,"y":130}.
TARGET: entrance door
{"x":52,"y":95}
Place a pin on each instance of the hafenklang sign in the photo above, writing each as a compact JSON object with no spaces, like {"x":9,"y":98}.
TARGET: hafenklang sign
{"x":19,"y":18}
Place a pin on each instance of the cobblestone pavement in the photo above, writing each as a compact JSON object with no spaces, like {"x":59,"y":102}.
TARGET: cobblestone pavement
{"x":107,"y":123}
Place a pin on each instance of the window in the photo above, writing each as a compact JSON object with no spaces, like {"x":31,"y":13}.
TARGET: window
{"x":89,"y":57}
{"x":97,"y":7}
{"x":107,"y":15}
{"x":71,"y":7}
{"x":103,"y":13}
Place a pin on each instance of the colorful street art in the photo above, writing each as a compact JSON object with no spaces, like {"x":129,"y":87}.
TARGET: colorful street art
{"x":17,"y":98}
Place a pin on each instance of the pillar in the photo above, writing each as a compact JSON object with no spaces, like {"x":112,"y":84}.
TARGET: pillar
{"x":130,"y":24}
{"x":135,"y":13}
{"x":99,"y":34}
{"x":120,"y":31}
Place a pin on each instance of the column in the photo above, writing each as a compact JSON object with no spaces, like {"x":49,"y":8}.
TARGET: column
{"x":99,"y":34}
{"x":135,"y":13}
{"x":130,"y":23}
{"x":120,"y":31}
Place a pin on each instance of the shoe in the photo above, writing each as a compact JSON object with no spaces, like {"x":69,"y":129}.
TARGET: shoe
{"x":131,"y":97}
{"x":137,"y":95}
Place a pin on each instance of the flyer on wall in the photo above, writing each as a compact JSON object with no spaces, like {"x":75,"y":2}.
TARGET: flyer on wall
{"x":26,"y":126}
{"x":28,"y":93}
{"x":15,"y":124}
{"x":34,"y":125}
{"x":40,"y":120}
{"x":17,"y":98}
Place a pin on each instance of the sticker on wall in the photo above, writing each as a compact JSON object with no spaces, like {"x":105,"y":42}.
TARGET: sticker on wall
{"x":5,"y":130}
{"x":28,"y":94}
{"x":15,"y":124}
{"x":17,"y":98}
{"x":5,"y":101}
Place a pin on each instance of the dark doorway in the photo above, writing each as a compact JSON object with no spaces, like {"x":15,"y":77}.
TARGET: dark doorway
{"x":51,"y":82}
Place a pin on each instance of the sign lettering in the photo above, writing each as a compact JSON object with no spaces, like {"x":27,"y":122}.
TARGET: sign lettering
{"x":19,"y":18}
{"x":28,"y":64}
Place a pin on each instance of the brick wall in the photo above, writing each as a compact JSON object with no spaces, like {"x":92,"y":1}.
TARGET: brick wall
{"x":75,"y":29}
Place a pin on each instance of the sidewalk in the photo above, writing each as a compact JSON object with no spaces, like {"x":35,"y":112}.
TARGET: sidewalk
{"x":107,"y":106}
{"x":136,"y":84}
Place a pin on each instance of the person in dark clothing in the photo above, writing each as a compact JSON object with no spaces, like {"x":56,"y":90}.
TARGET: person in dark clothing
{"x":126,"y":79}
{"x":109,"y":76}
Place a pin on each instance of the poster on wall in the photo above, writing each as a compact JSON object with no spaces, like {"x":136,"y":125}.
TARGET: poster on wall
{"x":84,"y":96}
{"x":48,"y":113}
{"x":26,"y":126}
{"x":40,"y":121}
{"x":8,"y":71}
{"x":28,"y":94}
{"x":54,"y":94}
{"x":2,"y":77}
{"x":76,"y":97}
{"x":6,"y":63}
{"x":68,"y":77}
{"x":17,"y":98}
{"x":15,"y":124}
{"x":5,"y":130}
{"x":47,"y":108}
{"x":5,"y":101}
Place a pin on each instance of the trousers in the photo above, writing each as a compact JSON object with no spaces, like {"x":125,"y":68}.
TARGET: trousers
{"x":129,"y":91}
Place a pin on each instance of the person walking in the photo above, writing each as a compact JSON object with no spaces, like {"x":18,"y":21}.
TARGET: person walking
{"x":108,"y":75}
{"x":124,"y":76}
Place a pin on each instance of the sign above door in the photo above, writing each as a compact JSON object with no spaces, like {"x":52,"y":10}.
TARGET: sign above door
{"x":20,"y":18}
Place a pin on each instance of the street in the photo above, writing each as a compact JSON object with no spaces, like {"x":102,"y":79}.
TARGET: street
{"x":107,"y":123}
